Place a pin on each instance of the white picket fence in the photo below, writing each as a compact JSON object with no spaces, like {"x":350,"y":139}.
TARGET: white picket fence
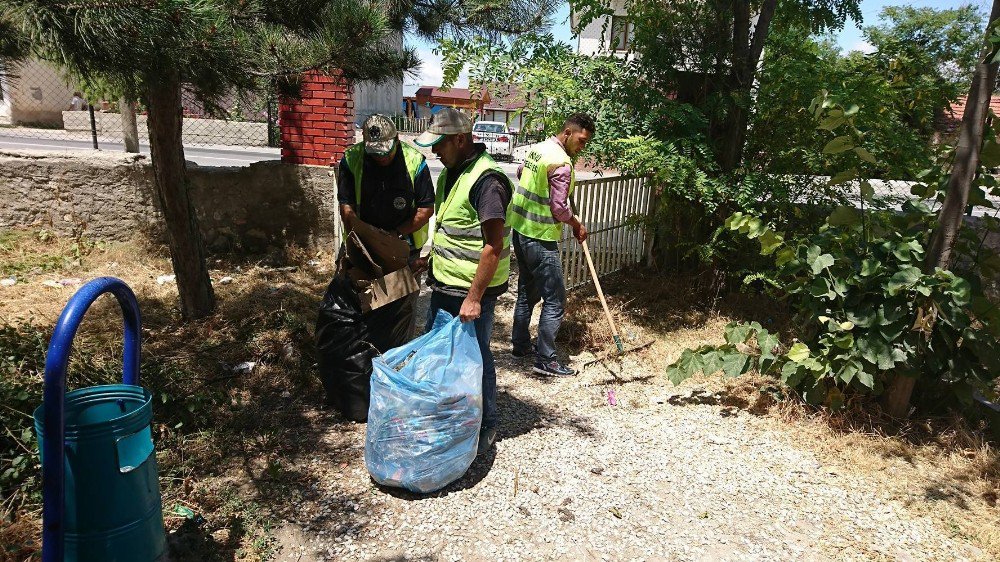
{"x":410,"y":124}
{"x":606,"y":206}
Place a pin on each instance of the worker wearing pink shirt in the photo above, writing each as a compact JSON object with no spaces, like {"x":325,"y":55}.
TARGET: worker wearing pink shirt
{"x":538,"y":210}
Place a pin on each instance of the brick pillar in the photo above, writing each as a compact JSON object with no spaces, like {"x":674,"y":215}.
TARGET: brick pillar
{"x":317,"y":128}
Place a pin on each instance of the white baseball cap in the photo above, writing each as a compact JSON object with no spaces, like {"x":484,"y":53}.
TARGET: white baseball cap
{"x":448,"y":121}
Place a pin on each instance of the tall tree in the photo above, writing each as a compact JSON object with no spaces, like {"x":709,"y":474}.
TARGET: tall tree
{"x":967,"y":156}
{"x":909,"y":80}
{"x":928,"y":55}
{"x":13,"y":45}
{"x":150,"y":50}
{"x":945,"y":41}
{"x":715,"y":45}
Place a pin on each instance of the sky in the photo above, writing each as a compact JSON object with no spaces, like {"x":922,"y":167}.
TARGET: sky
{"x":850,"y":38}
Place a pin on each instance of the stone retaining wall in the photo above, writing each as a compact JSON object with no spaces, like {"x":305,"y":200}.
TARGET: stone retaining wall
{"x":110,"y":196}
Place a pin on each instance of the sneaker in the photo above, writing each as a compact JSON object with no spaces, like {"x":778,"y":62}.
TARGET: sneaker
{"x":487,"y":436}
{"x":552,"y":368}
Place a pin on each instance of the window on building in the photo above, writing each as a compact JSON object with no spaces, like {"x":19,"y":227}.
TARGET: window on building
{"x":621,"y":33}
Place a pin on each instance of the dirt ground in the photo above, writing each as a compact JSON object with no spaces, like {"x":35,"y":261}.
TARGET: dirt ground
{"x":615,"y":464}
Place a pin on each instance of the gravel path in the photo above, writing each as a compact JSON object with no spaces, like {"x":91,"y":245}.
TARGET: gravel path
{"x":666,"y":474}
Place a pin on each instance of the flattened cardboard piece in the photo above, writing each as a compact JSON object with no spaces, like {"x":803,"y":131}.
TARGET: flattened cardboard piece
{"x":390,"y":252}
{"x":378,"y":292}
{"x":390,"y":288}
{"x":375,"y":287}
{"x":359,"y":257}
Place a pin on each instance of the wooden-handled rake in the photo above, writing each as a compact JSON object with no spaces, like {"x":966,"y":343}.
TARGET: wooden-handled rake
{"x":604,"y":303}
{"x":607,"y":313}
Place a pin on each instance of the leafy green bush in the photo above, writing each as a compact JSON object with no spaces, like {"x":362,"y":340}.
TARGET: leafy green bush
{"x":22,"y":356}
{"x":748,"y":347}
{"x":865,"y":310}
{"x":693,"y":200}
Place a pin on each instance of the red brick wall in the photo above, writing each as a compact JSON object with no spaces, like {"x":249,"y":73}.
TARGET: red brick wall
{"x":317,"y":128}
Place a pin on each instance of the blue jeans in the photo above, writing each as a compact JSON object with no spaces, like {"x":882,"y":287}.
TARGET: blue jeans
{"x":540,"y":278}
{"x":484,"y":329}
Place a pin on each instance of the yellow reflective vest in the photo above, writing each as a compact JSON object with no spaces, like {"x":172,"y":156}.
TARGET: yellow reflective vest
{"x":458,"y":237}
{"x":530,"y":214}
{"x":354,"y":158}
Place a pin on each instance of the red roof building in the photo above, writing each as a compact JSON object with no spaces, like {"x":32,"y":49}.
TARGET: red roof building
{"x":949,"y":122}
{"x":429,"y":97}
{"x":498,"y":103}
{"x":505,"y":106}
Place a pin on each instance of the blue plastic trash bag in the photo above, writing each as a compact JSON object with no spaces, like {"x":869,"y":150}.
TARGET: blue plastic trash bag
{"x":426,"y":408}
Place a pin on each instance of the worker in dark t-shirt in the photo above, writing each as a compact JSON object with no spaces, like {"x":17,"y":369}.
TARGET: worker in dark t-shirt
{"x":386,"y":183}
{"x":470,"y":253}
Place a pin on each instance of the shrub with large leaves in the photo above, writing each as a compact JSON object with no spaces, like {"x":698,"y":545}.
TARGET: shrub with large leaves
{"x":865,"y":309}
{"x":748,"y":347}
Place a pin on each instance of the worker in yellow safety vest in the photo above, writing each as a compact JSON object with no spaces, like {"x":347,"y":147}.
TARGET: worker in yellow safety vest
{"x":386,"y":183}
{"x":470,"y":249}
{"x":538,"y":211}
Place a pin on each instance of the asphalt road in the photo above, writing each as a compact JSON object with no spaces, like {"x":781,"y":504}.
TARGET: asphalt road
{"x":201,"y":155}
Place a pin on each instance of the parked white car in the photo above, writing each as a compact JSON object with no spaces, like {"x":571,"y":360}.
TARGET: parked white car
{"x":497,"y":138}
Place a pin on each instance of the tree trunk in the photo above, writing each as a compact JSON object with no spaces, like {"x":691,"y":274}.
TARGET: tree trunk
{"x":963,"y":171}
{"x":130,"y":129}
{"x":747,"y":51}
{"x":734,"y":132}
{"x":186,"y":250}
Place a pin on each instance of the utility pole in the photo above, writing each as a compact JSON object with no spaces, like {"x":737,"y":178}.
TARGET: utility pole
{"x":93,"y":125}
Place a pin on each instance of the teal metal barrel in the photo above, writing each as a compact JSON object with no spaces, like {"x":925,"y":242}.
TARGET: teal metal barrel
{"x":99,"y":476}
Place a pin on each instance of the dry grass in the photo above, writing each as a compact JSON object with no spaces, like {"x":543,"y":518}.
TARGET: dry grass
{"x":679,"y":312}
{"x":941,"y":467}
{"x":221,"y":433}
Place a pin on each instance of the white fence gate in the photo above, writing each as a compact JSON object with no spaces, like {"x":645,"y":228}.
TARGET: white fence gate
{"x":605,"y":205}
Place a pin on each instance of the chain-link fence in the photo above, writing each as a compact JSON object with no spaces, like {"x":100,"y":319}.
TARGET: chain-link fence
{"x":38,"y":105}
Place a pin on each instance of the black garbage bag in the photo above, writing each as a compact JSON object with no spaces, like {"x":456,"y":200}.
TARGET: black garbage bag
{"x":347,"y":340}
